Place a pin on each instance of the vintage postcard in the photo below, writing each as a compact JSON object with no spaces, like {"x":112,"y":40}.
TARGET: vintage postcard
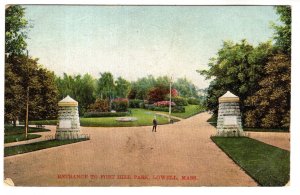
{"x":147,"y":95}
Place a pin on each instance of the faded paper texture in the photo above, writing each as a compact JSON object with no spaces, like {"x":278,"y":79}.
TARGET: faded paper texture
{"x":119,"y":95}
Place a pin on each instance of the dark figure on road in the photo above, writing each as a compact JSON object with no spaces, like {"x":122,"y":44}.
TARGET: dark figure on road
{"x":154,"y":125}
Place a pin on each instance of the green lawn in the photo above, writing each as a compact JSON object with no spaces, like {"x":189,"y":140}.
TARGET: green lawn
{"x":190,"y":110}
{"x":13,"y":150}
{"x":268,"y":165}
{"x":14,"y":134}
{"x":144,"y":118}
{"x":266,"y":130}
{"x":11,"y":130}
{"x":19,"y":137}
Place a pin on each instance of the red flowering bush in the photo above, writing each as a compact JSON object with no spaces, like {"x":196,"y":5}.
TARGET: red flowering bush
{"x":120,"y":104}
{"x":174,"y":93}
{"x":164,"y":104}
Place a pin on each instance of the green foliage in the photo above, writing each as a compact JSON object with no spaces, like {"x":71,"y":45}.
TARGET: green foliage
{"x":237,"y":68}
{"x":22,"y":73}
{"x":185,"y":88}
{"x":14,"y":92}
{"x":15,"y":30}
{"x":99,"y":106}
{"x":122,"y":87}
{"x":141,"y":87}
{"x":81,"y":88}
{"x":104,"y":114}
{"x":283,"y":32}
{"x":268,"y":165}
{"x":180,"y":101}
{"x":106,"y":86}
{"x":136,"y":103}
{"x":270,"y":106}
{"x":193,"y":101}
{"x":183,"y":111}
{"x":157,"y":94}
{"x":120,"y":104}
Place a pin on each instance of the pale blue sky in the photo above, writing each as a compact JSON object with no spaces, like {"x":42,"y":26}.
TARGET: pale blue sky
{"x":134,"y":41}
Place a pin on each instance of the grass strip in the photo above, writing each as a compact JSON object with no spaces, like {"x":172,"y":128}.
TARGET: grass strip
{"x":19,"y":137}
{"x":20,"y":149}
{"x":266,"y":164}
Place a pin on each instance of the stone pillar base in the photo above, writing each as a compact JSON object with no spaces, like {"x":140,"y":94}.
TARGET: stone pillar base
{"x":230,"y":133}
{"x":69,"y":135}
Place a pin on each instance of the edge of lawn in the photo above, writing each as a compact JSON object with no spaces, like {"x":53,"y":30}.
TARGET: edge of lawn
{"x":84,"y":139}
{"x":33,"y":136}
{"x":235,"y":161}
{"x":247,"y":172}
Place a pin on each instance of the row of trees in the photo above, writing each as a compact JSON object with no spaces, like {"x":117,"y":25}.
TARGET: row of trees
{"x":86,"y":89}
{"x":29,"y":87}
{"x":259,"y":75}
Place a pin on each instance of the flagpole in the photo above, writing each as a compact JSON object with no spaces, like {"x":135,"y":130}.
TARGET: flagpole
{"x":170,"y":100}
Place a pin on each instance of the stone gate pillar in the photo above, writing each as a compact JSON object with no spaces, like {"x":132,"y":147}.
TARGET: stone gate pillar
{"x":68,"y":126}
{"x":229,"y":116}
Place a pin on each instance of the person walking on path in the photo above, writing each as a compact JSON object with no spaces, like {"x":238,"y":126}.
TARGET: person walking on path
{"x":154,"y":124}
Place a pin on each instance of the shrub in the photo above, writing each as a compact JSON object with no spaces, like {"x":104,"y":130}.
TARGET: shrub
{"x":104,"y":114}
{"x":135,"y":103}
{"x":120,"y":104}
{"x":174,"y":93}
{"x":100,"y":105}
{"x":193,"y":101}
{"x":157,"y":94}
{"x":178,"y":109}
{"x":180,"y":101}
{"x":164,"y":104}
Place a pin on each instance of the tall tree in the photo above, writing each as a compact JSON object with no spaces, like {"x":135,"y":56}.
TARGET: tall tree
{"x":13,"y":94}
{"x":15,"y":30}
{"x":81,"y":88}
{"x":270,"y":105}
{"x":122,"y":87}
{"x":141,"y":87}
{"x":106,"y":86}
{"x":25,"y":78}
{"x":238,"y":68}
{"x":185,"y":88}
{"x":282,"y":33}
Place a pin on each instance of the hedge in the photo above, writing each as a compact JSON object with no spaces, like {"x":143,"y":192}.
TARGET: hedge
{"x":180,"y":101}
{"x":104,"y":114}
{"x":193,"y":101}
{"x":136,"y":103}
{"x":175,"y":109}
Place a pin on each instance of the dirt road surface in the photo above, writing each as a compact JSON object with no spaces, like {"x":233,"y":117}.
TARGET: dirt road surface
{"x":179,"y":154}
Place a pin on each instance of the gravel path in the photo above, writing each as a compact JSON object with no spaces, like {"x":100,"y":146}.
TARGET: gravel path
{"x":278,"y":139}
{"x":180,"y":154}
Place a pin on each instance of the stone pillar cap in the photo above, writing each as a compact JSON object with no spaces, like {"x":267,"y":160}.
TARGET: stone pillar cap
{"x":229,"y":97}
{"x":68,"y":101}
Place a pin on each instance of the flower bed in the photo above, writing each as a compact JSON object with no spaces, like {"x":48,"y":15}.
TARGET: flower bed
{"x":164,"y":104}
